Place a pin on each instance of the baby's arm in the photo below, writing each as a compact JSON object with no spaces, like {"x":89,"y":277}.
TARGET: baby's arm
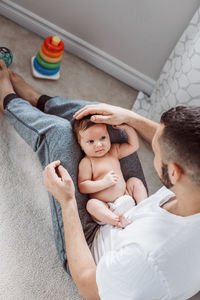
{"x":89,"y":186}
{"x":132,"y":144}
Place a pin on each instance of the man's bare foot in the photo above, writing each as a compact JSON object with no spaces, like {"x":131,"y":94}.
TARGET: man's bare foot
{"x":5,"y":84}
{"x":23,"y":89}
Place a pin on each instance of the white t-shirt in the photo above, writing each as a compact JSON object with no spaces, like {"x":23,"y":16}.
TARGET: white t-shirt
{"x":156,"y":257}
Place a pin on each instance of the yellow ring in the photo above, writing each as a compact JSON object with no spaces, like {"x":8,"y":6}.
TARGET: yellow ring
{"x":49,"y":59}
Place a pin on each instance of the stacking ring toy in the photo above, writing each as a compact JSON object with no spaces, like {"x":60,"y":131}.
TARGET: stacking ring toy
{"x":6,"y":55}
{"x":45,"y":64}
{"x":43,"y":70}
{"x":50,"y":59}
{"x":51,"y":47}
{"x":50,"y":53}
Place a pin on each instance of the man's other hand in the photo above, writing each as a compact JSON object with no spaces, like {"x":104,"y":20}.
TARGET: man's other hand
{"x":61,"y":187}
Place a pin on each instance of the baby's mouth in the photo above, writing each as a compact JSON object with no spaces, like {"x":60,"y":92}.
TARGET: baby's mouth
{"x":99,"y":151}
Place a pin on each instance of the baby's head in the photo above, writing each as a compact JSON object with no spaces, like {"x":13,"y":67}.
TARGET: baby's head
{"x":93,"y":138}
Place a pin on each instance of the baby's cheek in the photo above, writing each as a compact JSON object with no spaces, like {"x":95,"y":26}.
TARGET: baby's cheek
{"x":108,"y":144}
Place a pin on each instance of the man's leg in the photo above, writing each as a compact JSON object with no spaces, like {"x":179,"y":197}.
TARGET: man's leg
{"x":52,"y":138}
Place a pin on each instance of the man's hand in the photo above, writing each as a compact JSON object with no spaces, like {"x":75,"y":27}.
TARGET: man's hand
{"x":104,"y":113}
{"x":62,"y":188}
{"x":114,"y":115}
{"x":111,"y":178}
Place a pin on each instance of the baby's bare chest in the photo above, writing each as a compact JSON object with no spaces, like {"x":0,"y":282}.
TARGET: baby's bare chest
{"x":101,"y":166}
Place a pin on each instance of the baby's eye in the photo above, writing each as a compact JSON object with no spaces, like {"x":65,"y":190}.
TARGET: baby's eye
{"x":102,"y":138}
{"x":90,"y":141}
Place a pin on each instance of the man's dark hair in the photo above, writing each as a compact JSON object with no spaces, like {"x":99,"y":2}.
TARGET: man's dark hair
{"x":180,"y":140}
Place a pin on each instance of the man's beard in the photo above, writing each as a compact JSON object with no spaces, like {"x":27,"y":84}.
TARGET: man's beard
{"x":165,"y":177}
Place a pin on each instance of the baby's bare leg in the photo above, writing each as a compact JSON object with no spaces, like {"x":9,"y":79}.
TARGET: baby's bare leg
{"x":100,"y":211}
{"x":136,"y":189}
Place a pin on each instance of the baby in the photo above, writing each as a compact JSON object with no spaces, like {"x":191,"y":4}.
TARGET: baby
{"x":100,"y":173}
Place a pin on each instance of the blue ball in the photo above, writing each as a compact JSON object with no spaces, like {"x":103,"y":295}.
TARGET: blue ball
{"x":6,"y":55}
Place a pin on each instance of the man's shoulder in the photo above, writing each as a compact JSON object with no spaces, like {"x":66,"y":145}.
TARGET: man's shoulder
{"x":159,"y":196}
{"x":163,"y":191}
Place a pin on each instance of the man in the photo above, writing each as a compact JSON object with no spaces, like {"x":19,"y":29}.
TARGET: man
{"x":157,"y":255}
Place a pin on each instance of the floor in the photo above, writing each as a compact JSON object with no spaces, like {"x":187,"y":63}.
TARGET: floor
{"x":79,"y":80}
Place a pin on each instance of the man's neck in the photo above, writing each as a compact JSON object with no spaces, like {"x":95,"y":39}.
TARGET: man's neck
{"x":186,"y":202}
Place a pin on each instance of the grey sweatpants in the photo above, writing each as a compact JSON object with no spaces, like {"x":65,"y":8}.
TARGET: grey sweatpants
{"x":49,"y":133}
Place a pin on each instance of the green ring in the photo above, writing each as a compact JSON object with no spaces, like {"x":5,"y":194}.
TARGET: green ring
{"x":45,"y":64}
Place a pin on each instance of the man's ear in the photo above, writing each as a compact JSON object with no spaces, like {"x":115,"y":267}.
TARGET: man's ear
{"x":175,"y":172}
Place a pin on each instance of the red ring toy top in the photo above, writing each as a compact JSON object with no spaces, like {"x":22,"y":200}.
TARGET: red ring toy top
{"x":51,"y":47}
{"x":50,"y":53}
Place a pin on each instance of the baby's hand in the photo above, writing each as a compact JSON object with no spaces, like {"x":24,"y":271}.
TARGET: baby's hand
{"x":111,"y":178}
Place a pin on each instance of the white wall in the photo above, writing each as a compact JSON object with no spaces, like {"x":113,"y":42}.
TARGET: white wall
{"x":139,"y":33}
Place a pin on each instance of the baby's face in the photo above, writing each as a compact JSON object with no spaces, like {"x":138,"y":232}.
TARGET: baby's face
{"x":95,"y":140}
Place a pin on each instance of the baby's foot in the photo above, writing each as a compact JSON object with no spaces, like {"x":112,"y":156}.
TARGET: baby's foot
{"x":123,"y":222}
{"x":23,"y":89}
{"x":5,"y":84}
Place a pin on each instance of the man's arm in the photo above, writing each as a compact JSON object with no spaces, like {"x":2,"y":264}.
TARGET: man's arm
{"x":88,"y":186}
{"x":145,"y":127}
{"x":81,"y":262}
{"x":114,"y":115}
